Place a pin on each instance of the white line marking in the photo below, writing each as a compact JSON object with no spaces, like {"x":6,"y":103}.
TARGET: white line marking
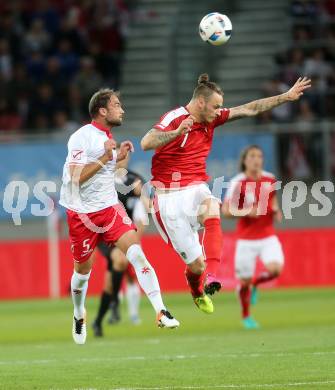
{"x":232,"y":386}
{"x":168,"y":357}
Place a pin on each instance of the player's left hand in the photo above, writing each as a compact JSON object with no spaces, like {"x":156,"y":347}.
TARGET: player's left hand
{"x":253,"y":212}
{"x":125,"y":148}
{"x":298,"y":88}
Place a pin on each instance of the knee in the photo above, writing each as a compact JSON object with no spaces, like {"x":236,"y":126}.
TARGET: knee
{"x":275,"y":269}
{"x":276,"y":272}
{"x":245,"y":282}
{"x":197,"y":267}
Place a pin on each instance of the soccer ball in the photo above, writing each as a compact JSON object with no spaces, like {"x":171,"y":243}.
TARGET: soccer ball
{"x":215,"y":28}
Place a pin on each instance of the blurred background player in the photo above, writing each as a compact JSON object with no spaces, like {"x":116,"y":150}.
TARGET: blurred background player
{"x":183,"y":203}
{"x":93,"y":211}
{"x":251,"y":197}
{"x":129,"y":187}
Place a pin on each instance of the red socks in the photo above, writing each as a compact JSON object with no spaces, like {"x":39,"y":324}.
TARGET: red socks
{"x":195,"y":283}
{"x":263,"y":277}
{"x":244,"y":295}
{"x":212,"y":244}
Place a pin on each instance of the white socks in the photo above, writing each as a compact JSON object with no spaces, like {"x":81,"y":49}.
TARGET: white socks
{"x":79,"y":284}
{"x":146,"y":276}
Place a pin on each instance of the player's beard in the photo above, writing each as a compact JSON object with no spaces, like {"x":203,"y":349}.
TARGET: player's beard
{"x":114,"y":122}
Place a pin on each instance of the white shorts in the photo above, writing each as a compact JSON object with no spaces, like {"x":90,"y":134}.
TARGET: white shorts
{"x":268,"y":249}
{"x":176,"y":218}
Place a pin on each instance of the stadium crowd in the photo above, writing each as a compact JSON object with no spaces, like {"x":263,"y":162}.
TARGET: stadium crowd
{"x":53,"y":55}
{"x":311,"y":53}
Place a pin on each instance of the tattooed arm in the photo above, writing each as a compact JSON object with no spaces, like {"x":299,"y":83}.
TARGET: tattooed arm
{"x":258,"y":106}
{"x":155,"y":138}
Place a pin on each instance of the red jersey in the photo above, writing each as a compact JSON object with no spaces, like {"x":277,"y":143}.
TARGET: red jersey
{"x":183,"y":160}
{"x":244,"y":192}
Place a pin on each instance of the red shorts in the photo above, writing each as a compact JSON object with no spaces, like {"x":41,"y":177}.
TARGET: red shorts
{"x":86,"y":230}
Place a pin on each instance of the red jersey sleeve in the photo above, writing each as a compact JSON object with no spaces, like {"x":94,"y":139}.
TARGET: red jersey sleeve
{"x":222,"y":118}
{"x":162,"y":127}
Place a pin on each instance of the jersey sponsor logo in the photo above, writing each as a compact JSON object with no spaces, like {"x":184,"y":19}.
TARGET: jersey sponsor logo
{"x":145,"y":270}
{"x":76,"y":154}
{"x":126,"y":220}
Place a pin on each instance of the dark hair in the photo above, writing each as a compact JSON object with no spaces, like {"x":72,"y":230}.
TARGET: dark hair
{"x":206,"y":88}
{"x":244,"y":154}
{"x":100,"y":100}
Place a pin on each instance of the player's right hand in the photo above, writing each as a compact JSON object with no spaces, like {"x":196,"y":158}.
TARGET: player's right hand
{"x":253,"y":212}
{"x":110,"y":145}
{"x":186,"y":125}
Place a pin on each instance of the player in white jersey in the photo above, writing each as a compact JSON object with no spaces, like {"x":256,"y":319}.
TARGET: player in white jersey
{"x":94,"y":212}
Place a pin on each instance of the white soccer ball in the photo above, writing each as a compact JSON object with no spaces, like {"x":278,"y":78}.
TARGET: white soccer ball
{"x":215,"y":28}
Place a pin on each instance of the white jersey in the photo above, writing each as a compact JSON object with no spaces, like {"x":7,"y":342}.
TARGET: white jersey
{"x":85,"y":146}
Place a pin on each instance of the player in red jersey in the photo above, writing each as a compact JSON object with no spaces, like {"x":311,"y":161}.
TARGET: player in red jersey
{"x":183,"y":203}
{"x":251,"y":198}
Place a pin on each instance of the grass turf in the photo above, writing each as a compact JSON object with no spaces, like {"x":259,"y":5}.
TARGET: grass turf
{"x":294,"y":349}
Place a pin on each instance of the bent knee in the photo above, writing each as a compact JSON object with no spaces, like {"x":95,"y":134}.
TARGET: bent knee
{"x":275,"y":269}
{"x":245,"y":282}
{"x":198,"y":266}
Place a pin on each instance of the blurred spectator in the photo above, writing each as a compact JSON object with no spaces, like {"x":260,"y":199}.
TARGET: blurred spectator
{"x":11,"y":30}
{"x":105,"y":31}
{"x":281,"y":113}
{"x":54,"y":54}
{"x":305,"y":9}
{"x":43,"y":107}
{"x":316,"y":66}
{"x":40,"y":122}
{"x":68,"y":58}
{"x":69,"y":31}
{"x":305,"y":116}
{"x":37,"y":38}
{"x":63,"y":124}
{"x":87,"y":80}
{"x":77,"y":107}
{"x":312,"y":54}
{"x":45,"y":11}
{"x":9,"y":118}
{"x":19,"y":90}
{"x":295,"y":66}
{"x":5,"y":60}
{"x":55,"y":76}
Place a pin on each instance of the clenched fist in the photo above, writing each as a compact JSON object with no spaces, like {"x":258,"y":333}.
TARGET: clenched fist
{"x":186,"y":125}
{"x":124,"y":149}
{"x":110,"y":145}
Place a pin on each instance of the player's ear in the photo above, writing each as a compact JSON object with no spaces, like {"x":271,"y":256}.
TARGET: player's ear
{"x":102,"y":111}
{"x":201,"y":101}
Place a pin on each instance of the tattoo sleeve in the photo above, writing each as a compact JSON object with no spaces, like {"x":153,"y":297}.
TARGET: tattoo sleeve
{"x":257,"y":106}
{"x":155,"y":139}
{"x":266,"y":104}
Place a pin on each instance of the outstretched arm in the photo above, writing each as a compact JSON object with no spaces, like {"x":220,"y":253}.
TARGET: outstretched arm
{"x":258,"y":106}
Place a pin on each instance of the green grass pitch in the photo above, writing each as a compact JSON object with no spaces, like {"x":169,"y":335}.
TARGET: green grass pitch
{"x":294,"y":349}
